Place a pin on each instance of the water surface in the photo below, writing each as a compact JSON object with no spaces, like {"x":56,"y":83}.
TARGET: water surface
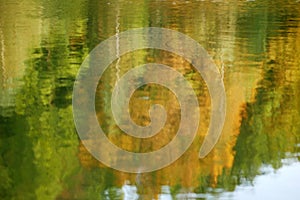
{"x":256,"y":46}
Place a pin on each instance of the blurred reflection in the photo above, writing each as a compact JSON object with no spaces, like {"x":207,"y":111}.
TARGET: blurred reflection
{"x":255,"y":44}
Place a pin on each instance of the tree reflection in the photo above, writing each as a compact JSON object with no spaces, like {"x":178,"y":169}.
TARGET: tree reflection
{"x":41,"y":156}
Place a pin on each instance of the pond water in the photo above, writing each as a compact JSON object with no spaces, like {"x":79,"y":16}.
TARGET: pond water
{"x":256,"y":47}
